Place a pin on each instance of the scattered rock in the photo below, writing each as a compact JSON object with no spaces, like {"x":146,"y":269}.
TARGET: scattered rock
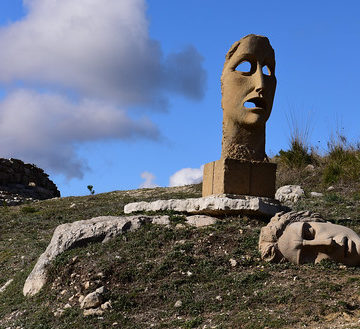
{"x":69,"y":235}
{"x":233,"y":262}
{"x":73,"y":205}
{"x":178,"y":304}
{"x":67,"y":306}
{"x":200,"y":220}
{"x":290,"y":193}
{"x":7,"y":283}
{"x":219,"y":298}
{"x":212,"y":205}
{"x":106,"y":305}
{"x":59,"y":312}
{"x":93,"y":311}
{"x":330,"y":188}
{"x":93,"y":300}
{"x":316,"y":194}
{"x":310,"y":167}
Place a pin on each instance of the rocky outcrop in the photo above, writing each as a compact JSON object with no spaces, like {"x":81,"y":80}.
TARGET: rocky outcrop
{"x":102,"y":228}
{"x":21,"y":182}
{"x":212,"y":205}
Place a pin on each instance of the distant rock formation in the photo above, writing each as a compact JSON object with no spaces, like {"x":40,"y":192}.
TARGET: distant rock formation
{"x":21,"y":182}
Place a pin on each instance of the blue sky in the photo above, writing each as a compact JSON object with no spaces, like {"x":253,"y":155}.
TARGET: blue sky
{"x":115,"y":93}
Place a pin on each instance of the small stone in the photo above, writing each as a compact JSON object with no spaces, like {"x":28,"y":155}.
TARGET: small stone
{"x":200,"y":220}
{"x":93,"y":311}
{"x":93,"y":299}
{"x":188,"y":273}
{"x":67,"y":306}
{"x":81,"y":298}
{"x":59,"y":312}
{"x":178,"y":304}
{"x":233,"y":262}
{"x":87,"y":285}
{"x":180,"y":226}
{"x":316,"y":194}
{"x":219,"y":298}
{"x":106,"y":305}
{"x":73,"y":205}
{"x":63,"y":292}
{"x":330,"y":188}
{"x":291,"y":193}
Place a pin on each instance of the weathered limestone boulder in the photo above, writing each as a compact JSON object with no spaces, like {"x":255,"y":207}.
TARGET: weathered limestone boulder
{"x":289,"y":193}
{"x":211,"y":205}
{"x":70,"y":235}
{"x":79,"y":233}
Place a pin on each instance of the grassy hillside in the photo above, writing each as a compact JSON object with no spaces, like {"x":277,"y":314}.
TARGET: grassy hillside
{"x":215,"y":272}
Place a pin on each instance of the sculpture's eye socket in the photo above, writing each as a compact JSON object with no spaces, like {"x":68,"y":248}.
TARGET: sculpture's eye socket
{"x":308,"y":233}
{"x":244,"y":67}
{"x":266,"y":70}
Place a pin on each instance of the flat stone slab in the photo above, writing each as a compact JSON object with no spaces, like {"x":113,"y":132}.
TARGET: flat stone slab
{"x":222,"y":204}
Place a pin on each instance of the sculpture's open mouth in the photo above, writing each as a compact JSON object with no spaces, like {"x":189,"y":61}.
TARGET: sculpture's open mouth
{"x":256,"y":102}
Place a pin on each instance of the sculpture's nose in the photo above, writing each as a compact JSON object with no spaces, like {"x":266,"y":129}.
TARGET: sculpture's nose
{"x":318,"y":242}
{"x":259,"y":80}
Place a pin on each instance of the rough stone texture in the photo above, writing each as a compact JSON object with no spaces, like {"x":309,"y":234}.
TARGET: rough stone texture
{"x":229,"y":176}
{"x":200,"y":220}
{"x":289,"y":193}
{"x":21,"y":182}
{"x":70,"y":235}
{"x":211,"y":205}
{"x":93,"y":300}
{"x":247,"y":99}
{"x":244,"y":127}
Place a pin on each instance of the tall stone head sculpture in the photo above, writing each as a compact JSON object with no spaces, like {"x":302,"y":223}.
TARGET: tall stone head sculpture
{"x":248,"y":85}
{"x":304,"y":237}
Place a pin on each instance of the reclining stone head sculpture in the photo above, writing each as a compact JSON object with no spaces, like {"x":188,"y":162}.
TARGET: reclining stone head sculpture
{"x":248,"y":85}
{"x":304,"y":237}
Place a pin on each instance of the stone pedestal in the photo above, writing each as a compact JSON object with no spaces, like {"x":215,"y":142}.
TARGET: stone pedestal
{"x":230,"y":176}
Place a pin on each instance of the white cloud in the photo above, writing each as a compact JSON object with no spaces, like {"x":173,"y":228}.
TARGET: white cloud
{"x":97,"y":48}
{"x":187,"y":176}
{"x":95,"y":60}
{"x":44,"y":128}
{"x":149,"y":180}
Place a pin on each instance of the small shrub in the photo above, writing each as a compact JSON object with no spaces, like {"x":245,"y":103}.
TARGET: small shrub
{"x":91,"y":189}
{"x":342,"y":161}
{"x":297,"y":156}
{"x":28,"y":210}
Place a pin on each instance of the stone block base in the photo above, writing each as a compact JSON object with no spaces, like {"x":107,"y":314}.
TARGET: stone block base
{"x":230,"y":176}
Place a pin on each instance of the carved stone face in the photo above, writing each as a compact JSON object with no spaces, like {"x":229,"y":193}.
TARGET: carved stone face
{"x":249,"y":76}
{"x":312,"y":242}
